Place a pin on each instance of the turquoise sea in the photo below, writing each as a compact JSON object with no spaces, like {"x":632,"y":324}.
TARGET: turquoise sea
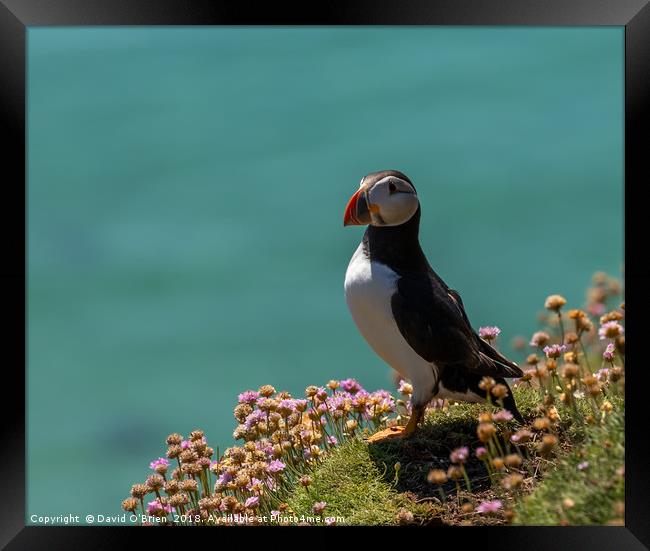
{"x":186,"y":190}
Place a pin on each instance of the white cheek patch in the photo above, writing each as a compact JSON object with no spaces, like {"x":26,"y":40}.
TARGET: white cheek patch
{"x":388,"y":209}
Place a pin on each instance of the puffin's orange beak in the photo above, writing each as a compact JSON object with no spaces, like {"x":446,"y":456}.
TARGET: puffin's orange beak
{"x":356,"y":212}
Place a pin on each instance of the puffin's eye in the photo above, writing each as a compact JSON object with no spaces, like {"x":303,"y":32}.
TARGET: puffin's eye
{"x":392,"y":187}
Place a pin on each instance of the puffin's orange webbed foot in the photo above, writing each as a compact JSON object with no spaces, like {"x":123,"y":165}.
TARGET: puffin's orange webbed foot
{"x":390,"y":433}
{"x":399,"y":432}
{"x":387,"y":434}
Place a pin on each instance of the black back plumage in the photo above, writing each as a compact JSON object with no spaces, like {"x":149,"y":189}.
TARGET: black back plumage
{"x":430,"y":315}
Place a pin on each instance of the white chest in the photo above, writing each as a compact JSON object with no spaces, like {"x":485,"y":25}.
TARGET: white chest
{"x":369,"y":288}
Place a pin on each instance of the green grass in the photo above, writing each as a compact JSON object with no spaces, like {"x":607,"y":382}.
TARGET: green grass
{"x":358,"y":481}
{"x":354,"y":488}
{"x":594,"y":491}
{"x":441,"y":432}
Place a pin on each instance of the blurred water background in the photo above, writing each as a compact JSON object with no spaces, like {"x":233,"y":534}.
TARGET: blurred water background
{"x":185,"y":201}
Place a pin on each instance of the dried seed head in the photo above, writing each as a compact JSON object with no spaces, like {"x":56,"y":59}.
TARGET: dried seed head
{"x":532,"y":359}
{"x":229,"y":503}
{"x":554,"y":302}
{"x":196,"y":434}
{"x":242,"y":480}
{"x":188,"y":456}
{"x":500,"y":391}
{"x":333,"y":385}
{"x":512,"y":481}
{"x":486,"y":383}
{"x":179,"y":499}
{"x":539,"y":339}
{"x":542,"y":423}
{"x":130,"y":504}
{"x":268,"y":404}
{"x":614,"y":315}
{"x":498,"y":463}
{"x":174,"y":439}
{"x":437,"y":476}
{"x":242,"y":411}
{"x":140,"y":490}
{"x":266,"y":391}
{"x":485,"y":431}
{"x":513,"y":460}
{"x":571,"y":338}
{"x":188,"y":485}
{"x":576,"y":314}
{"x":454,"y":472}
{"x":484,"y":417}
{"x":570,"y":371}
{"x":174,"y":451}
{"x":171,"y":487}
{"x":155,"y":482}
{"x":546,"y":446}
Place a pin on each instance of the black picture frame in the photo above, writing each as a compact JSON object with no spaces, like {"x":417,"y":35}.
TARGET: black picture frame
{"x":17,"y":15}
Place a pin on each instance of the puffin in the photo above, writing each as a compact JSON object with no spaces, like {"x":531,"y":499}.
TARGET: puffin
{"x":407,"y":314}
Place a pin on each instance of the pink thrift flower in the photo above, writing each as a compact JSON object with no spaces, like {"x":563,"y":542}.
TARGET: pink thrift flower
{"x":459,"y":455}
{"x":539,"y":339}
{"x":489,"y":333}
{"x":609,"y":352}
{"x":502,"y":416}
{"x":555,"y":350}
{"x":488,"y":507}
{"x":319,"y":506}
{"x":252,"y":502}
{"x":610,"y":330}
{"x":351,"y":386}
{"x":276,"y":466}
{"x":160,"y":462}
{"x":248,"y":397}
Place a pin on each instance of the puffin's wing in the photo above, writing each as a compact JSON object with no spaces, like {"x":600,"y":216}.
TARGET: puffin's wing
{"x":434,"y":324}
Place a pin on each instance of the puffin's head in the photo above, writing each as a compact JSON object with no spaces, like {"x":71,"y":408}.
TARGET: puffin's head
{"x":385,"y":198}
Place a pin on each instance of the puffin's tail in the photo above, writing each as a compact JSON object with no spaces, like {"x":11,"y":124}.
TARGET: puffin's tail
{"x":497,"y":363}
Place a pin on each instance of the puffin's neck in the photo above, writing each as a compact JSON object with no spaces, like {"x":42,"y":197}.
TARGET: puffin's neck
{"x":396,"y":246}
